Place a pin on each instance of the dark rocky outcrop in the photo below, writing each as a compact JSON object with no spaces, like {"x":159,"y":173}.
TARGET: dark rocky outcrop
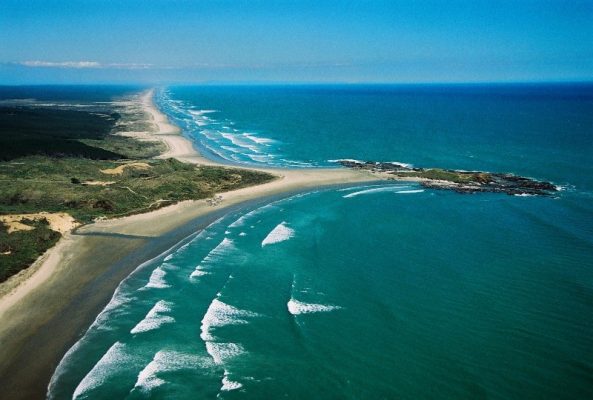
{"x":456,"y":180}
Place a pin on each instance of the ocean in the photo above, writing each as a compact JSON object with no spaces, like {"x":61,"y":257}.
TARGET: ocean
{"x":375,"y":291}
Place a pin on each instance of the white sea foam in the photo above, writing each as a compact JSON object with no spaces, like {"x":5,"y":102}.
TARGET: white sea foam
{"x":297,"y":163}
{"x":222,"y":352}
{"x":199,"y":236}
{"x":354,"y":188}
{"x":199,"y":119}
{"x":238,"y":142}
{"x":258,"y":139}
{"x":214,"y":151}
{"x":219,"y":251}
{"x":241,"y":220}
{"x":259,"y":158}
{"x":198,"y":272}
{"x":398,"y":163}
{"x":232,"y":138}
{"x":279,"y":234}
{"x":155,"y":318}
{"x":221,"y":314}
{"x":185,"y":246}
{"x":112,"y":362}
{"x":296,"y":307}
{"x":242,"y":234}
{"x":392,"y":188}
{"x":231,"y":149}
{"x":210,"y":134}
{"x":157,"y":279}
{"x":147,"y":378}
{"x":166,"y":361}
{"x":228,"y":384}
{"x":410,"y":191}
{"x":346,"y":159}
{"x":524,"y":195}
{"x":201,"y":112}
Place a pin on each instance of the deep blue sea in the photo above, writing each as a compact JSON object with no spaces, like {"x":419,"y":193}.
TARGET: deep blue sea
{"x":377,"y":291}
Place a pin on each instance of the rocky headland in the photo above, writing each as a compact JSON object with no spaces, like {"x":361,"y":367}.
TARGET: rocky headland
{"x":456,"y":180}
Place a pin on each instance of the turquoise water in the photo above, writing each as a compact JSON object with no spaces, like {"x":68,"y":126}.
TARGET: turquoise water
{"x":543,"y":131}
{"x":370,"y":291}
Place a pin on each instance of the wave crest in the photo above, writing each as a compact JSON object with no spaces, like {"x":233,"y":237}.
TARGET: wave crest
{"x":296,"y":307}
{"x":279,"y":234}
{"x":154,"y":318}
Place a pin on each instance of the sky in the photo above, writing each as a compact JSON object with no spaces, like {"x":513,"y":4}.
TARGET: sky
{"x":242,"y":41}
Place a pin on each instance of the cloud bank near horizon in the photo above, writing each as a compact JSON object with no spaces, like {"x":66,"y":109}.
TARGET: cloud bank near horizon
{"x":80,"y":64}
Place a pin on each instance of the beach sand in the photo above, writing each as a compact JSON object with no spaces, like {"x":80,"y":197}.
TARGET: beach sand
{"x":44,"y":310}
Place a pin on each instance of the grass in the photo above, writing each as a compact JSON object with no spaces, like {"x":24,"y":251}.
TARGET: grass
{"x":20,"y":249}
{"x":448,"y":175}
{"x":131,"y":149}
{"x":35,"y":184}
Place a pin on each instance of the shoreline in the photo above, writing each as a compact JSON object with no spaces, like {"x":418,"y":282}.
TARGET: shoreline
{"x":46,"y":311}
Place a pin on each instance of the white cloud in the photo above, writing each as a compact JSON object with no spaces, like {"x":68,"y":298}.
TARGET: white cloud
{"x":128,"y":65}
{"x":63,"y":64}
{"x":197,"y":66}
{"x":82,"y":64}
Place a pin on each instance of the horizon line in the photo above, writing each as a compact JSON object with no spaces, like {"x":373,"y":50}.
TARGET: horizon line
{"x":308,"y":83}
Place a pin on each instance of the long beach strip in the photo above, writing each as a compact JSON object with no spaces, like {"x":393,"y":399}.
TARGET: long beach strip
{"x":46,"y":309}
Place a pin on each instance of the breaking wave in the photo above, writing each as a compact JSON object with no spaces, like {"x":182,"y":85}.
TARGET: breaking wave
{"x":296,"y":307}
{"x":166,"y":361}
{"x":155,"y":318}
{"x":157,"y":279}
{"x":221,"y":314}
{"x":279,"y":234}
{"x":112,"y":362}
{"x":391,"y":188}
{"x":223,"y":248}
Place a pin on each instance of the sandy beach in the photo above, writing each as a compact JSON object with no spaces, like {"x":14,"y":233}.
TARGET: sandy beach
{"x":47,"y":308}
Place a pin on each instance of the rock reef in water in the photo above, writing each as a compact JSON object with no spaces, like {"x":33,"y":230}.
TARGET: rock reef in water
{"x":458,"y":181}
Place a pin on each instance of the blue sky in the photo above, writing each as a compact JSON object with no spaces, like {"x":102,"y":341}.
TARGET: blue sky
{"x":168,"y":41}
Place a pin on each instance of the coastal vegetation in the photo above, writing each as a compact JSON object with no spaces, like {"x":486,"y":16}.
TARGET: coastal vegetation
{"x":56,"y":132}
{"x":85,"y":164}
{"x":65,"y":131}
{"x":447,"y":175}
{"x":88,"y":189}
{"x":21,"y":248}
